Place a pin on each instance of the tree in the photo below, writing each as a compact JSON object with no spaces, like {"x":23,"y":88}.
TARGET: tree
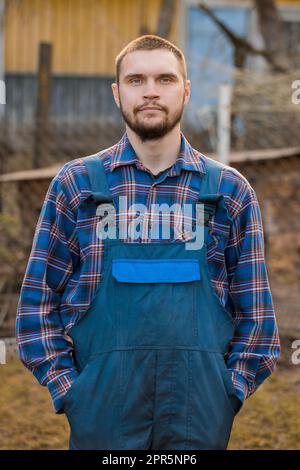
{"x":274,"y":52}
{"x":166,"y":16}
{"x":271,"y":28}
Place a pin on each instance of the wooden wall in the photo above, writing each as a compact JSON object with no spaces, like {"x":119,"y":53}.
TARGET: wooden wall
{"x":86,"y":34}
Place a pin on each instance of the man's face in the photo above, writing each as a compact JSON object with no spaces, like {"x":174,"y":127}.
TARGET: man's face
{"x":151,"y":79}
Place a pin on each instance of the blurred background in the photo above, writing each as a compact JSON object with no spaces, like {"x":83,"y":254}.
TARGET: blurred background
{"x":56,"y":69}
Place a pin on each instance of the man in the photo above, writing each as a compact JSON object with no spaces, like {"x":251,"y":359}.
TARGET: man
{"x":146,"y":341}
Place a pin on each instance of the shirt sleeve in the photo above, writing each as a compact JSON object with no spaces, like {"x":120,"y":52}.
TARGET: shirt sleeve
{"x":255,"y":347}
{"x":42,"y":346}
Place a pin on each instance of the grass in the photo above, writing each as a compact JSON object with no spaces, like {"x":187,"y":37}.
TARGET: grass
{"x":269,"y":419}
{"x":28,"y":420}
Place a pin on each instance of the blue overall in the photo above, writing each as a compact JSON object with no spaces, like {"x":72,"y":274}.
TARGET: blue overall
{"x":151,"y":348}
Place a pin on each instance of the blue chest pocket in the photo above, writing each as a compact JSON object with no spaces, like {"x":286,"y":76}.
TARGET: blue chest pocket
{"x":155,"y":301}
{"x":155,"y":270}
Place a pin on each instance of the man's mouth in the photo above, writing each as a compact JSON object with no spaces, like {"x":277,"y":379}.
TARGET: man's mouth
{"x":151,"y":109}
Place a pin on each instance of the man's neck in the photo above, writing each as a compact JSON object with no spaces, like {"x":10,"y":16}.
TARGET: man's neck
{"x":156,"y":155}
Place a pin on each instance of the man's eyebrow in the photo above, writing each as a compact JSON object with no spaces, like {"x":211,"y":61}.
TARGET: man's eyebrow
{"x":140,"y":75}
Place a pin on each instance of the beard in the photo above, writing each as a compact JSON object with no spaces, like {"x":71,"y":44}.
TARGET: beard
{"x":152,"y":128}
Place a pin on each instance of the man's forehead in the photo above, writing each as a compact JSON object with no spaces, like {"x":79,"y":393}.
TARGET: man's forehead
{"x":161,"y":62}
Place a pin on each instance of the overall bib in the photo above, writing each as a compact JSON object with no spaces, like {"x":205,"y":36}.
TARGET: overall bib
{"x":151,"y":348}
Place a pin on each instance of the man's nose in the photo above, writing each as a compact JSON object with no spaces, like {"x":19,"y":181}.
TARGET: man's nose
{"x":150,"y":90}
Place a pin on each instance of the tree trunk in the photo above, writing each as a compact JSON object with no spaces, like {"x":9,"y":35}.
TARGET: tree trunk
{"x":166,"y":16}
{"x":272,"y":31}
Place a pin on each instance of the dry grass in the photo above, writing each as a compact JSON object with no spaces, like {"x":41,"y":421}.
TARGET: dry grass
{"x":269,"y":419}
{"x":27,"y":418}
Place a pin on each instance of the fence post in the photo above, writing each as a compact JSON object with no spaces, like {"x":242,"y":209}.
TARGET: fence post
{"x":224,"y":125}
{"x":2,"y":352}
{"x":42,"y":104}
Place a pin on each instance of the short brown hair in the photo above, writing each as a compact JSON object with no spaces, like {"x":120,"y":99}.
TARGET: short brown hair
{"x":150,"y":42}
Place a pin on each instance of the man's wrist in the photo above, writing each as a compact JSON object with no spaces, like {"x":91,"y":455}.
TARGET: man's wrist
{"x":58,"y":387}
{"x":240,"y":384}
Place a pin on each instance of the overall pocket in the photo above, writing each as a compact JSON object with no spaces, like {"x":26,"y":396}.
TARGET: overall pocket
{"x":79,"y":386}
{"x":155,"y":301}
{"x":235,"y":402}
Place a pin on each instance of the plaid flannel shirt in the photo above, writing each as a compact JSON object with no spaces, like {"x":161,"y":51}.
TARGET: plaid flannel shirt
{"x":64,"y":266}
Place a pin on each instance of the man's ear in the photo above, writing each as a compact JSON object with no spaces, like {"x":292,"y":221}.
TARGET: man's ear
{"x":115,"y":91}
{"x":187,"y":91}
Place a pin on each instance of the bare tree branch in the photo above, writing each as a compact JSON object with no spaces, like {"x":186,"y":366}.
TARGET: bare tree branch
{"x":241,"y":44}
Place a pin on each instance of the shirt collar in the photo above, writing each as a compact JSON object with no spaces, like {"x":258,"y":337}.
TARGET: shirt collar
{"x":188,"y":158}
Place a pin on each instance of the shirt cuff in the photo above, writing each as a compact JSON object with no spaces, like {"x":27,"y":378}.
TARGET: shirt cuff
{"x":59,"y":386}
{"x":240,"y":385}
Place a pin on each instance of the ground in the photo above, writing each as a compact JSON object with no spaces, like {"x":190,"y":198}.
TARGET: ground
{"x":269,"y":419}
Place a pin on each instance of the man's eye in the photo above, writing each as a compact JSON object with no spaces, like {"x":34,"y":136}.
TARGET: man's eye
{"x":166,"y":78}
{"x":135,"y":80}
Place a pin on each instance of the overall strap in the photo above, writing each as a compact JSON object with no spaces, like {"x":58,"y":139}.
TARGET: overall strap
{"x":101,"y":194}
{"x":210,"y":180}
{"x":97,"y":177}
{"x":209,"y":197}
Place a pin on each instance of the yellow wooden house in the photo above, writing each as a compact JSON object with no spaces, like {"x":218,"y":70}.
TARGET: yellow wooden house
{"x":86,"y":35}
